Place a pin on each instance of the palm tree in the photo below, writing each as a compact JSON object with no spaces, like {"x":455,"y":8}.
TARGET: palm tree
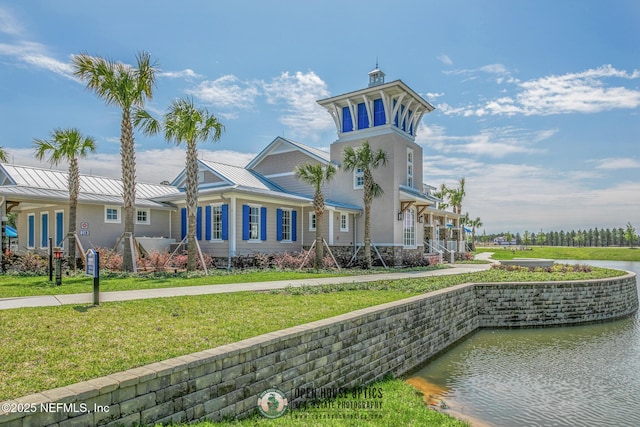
{"x":442,"y":194}
{"x":456,"y":196}
{"x":3,"y":155}
{"x":127,"y":88}
{"x":67,"y":145}
{"x":365,"y":159}
{"x":317,"y":175}
{"x":186,"y":123}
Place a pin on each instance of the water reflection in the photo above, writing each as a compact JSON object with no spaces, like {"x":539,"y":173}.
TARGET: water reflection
{"x":582,"y":375}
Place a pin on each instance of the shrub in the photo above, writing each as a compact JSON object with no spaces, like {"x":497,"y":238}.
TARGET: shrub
{"x":109,"y":259}
{"x":29,"y":263}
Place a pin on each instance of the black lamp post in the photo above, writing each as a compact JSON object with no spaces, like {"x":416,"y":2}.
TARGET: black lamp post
{"x":57,"y":253}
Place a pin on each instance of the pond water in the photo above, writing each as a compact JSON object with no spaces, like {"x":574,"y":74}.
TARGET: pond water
{"x":569,"y":376}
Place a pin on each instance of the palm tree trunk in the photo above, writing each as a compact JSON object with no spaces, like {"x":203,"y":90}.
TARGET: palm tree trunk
{"x":319,"y":245}
{"x":368,"y":198}
{"x":127,"y":152}
{"x":74,"y":189}
{"x":192,"y":203}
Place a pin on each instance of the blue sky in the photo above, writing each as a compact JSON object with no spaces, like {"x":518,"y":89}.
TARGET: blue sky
{"x":537,"y":102}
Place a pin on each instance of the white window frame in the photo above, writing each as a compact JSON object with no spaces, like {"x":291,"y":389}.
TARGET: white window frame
{"x":358,"y":179}
{"x":258,"y":209}
{"x":108,"y":220}
{"x":216,"y":208}
{"x":410,"y":170}
{"x":200,"y":177}
{"x":289,"y":225}
{"x":409,"y":229}
{"x":48,"y":229}
{"x":148,"y":215}
{"x":312,"y":221}
{"x":344,"y":221}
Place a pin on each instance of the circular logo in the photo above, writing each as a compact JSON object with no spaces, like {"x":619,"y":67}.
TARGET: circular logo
{"x":272,"y":403}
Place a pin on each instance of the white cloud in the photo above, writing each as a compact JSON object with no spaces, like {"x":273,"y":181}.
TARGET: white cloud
{"x":617,"y":163}
{"x":518,"y":197}
{"x":186,"y":73}
{"x":226,"y":92}
{"x":299,"y":92}
{"x":495,"y":142}
{"x":8,"y":24}
{"x":445,"y":59}
{"x":589,"y":91}
{"x":50,"y":64}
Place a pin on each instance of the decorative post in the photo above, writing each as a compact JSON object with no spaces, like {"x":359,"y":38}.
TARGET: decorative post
{"x":93,"y":270}
{"x":57,"y":252}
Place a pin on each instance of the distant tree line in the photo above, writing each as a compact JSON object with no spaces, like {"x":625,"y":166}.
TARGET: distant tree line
{"x":593,"y":237}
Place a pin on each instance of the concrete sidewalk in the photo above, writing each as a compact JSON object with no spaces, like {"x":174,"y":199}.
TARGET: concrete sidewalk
{"x":54,"y":300}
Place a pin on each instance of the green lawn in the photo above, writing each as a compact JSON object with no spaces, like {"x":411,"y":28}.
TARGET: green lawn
{"x":20,"y":286}
{"x":562,"y":252}
{"x":48,"y":347}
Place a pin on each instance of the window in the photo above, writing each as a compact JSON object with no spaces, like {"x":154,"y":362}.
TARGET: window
{"x":358,"y":179}
{"x":142,"y":216}
{"x":286,"y":225}
{"x":378,"y":112}
{"x":200,"y":177}
{"x":216,"y":222}
{"x":312,"y":221}
{"x":344,"y":222}
{"x":44,"y":229}
{"x":254,"y":223}
{"x":409,"y":167}
{"x":409,"y":228}
{"x":112,"y":214}
{"x":363,"y":117}
{"x":347,"y":122}
{"x":31,"y":231}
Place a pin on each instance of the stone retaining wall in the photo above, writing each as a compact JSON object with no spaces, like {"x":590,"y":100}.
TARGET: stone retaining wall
{"x":350,"y":350}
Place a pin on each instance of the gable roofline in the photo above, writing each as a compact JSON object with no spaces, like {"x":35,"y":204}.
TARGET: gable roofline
{"x":315,"y":153}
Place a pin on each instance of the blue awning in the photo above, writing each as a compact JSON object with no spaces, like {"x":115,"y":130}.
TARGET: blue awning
{"x":10,"y":231}
{"x":467,"y":230}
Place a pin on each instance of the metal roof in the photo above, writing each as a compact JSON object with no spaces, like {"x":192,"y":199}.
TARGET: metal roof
{"x":37,"y":183}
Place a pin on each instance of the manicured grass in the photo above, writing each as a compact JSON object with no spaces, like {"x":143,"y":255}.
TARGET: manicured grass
{"x":402,"y":405}
{"x":48,"y":347}
{"x":20,"y":286}
{"x":562,"y":252}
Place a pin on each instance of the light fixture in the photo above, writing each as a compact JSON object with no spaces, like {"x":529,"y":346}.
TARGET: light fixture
{"x":421,"y":219}
{"x":400,"y":216}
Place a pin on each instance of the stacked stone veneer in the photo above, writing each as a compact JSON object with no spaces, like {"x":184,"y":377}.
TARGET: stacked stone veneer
{"x":344,"y":351}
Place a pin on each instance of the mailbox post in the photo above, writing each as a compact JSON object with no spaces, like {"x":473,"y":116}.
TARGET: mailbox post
{"x":57,"y":253}
{"x":93,"y":270}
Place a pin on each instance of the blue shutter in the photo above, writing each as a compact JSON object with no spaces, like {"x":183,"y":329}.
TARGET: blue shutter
{"x":263,"y":223}
{"x":378,"y":112}
{"x":279,"y":224}
{"x":347,"y":123}
{"x":245,"y":222}
{"x":199,"y":223}
{"x":225,"y":222}
{"x":363,"y":118}
{"x":294,"y":226}
{"x":207,"y":223}
{"x":183,"y":223}
{"x":59,"y":228}
{"x":45,"y":230}
{"x":32,"y":231}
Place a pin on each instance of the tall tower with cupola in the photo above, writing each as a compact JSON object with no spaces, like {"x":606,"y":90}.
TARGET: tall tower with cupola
{"x":388,"y":116}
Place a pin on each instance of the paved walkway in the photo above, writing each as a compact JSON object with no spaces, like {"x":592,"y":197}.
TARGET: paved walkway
{"x":53,"y":300}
